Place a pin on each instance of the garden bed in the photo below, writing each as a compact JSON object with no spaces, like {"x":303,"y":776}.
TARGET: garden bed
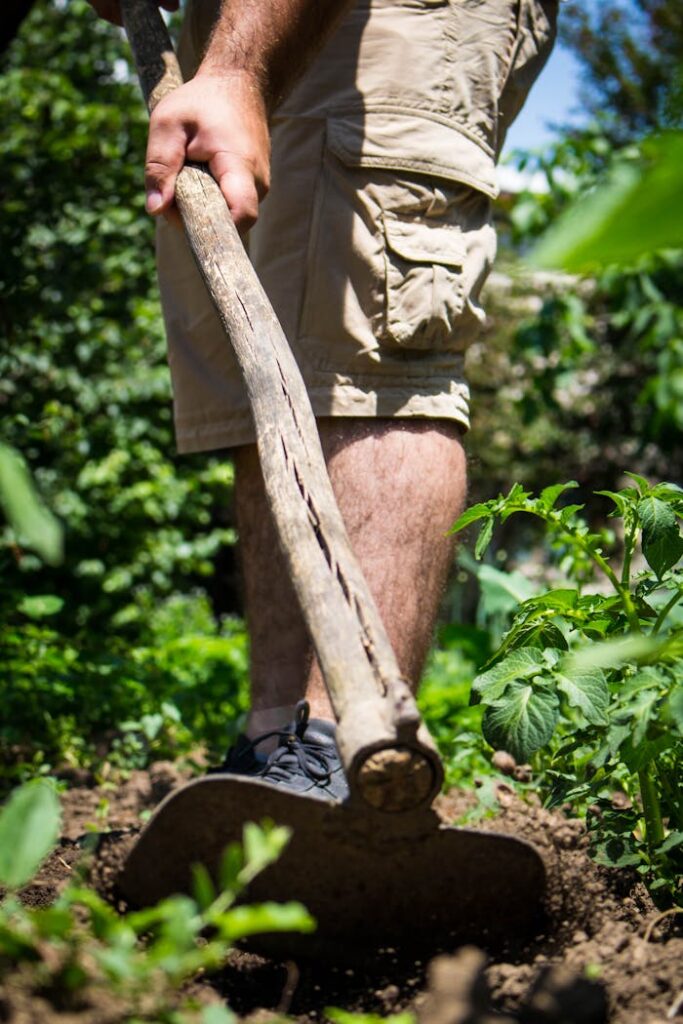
{"x":608,"y":953}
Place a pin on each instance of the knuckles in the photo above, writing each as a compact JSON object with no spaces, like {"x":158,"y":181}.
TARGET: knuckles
{"x":231,"y":139}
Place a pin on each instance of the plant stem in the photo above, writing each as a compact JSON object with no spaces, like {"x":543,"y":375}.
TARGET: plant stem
{"x":674,"y":797}
{"x":652,"y":812}
{"x":629,"y":546}
{"x":661,"y":618}
{"x":623,"y":591}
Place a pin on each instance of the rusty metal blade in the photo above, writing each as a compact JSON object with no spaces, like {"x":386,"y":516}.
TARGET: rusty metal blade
{"x":371,"y":880}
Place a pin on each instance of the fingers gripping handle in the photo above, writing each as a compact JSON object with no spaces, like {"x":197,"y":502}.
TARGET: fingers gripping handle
{"x":389,"y":757}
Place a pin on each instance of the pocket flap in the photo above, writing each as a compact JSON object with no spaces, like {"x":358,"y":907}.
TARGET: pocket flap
{"x":422,"y":242}
{"x":405,"y":141}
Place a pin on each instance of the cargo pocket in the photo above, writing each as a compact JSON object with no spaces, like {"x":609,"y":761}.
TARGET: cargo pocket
{"x":424,"y":283}
{"x":394,"y":268}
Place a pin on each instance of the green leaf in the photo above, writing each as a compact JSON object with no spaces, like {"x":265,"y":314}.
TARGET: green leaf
{"x":52,"y":922}
{"x":232,"y":864}
{"x":263,"y":844}
{"x":634,"y":648}
{"x":31,"y":520}
{"x":568,"y":512}
{"x":672,"y":842}
{"x":518,"y":665}
{"x":470,"y":515}
{"x":203,"y":888}
{"x":117,"y":963}
{"x":29,"y":827}
{"x":14,"y":945}
{"x":560,"y":599}
{"x":662,"y":541}
{"x":638,"y":210}
{"x":675,"y":705}
{"x":643,"y":484}
{"x":638,"y":757}
{"x":41,"y":606}
{"x":643,"y":710}
{"x":256,"y":918}
{"x":338,"y":1016}
{"x":504,"y":591}
{"x":656,"y":516}
{"x":617,"y":852}
{"x":620,"y":500}
{"x":549,"y":495}
{"x":522,"y":721}
{"x":589,"y":692}
{"x":484,"y":538}
{"x":217,"y":1014}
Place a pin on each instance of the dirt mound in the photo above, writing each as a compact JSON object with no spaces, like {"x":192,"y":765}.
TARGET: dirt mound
{"x":607,"y":954}
{"x":602,"y":923}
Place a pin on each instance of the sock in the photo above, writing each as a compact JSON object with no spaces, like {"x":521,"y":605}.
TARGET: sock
{"x":266,"y":719}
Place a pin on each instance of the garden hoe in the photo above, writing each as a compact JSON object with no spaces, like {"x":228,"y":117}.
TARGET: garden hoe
{"x":381,"y":869}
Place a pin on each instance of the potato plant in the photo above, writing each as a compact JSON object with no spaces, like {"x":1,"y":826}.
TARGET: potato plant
{"x":142,"y":958}
{"x":588,"y":679}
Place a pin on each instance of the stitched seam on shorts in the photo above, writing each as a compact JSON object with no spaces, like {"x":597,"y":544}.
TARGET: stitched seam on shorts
{"x":427,"y":167}
{"x":511,"y":55}
{"x":313,"y":232}
{"x":224,"y":435}
{"x":387,"y":378}
{"x":455,"y":123}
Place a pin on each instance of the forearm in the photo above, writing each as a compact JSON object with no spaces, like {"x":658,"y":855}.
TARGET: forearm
{"x":272,"y":41}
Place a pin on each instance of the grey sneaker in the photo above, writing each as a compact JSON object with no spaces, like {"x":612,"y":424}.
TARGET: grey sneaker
{"x":306,"y":759}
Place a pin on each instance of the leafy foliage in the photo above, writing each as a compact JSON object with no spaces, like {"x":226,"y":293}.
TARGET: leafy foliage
{"x":589,"y":676}
{"x":29,"y":826}
{"x":581,"y":377}
{"x":84,"y":383}
{"x":140,"y":958}
{"x":638,"y":211}
{"x":631,"y":57}
{"x":93,"y":607}
{"x":31,"y":521}
{"x":338,"y":1016}
{"x":121,"y":706}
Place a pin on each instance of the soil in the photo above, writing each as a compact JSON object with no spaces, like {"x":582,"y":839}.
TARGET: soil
{"x":608,"y":956}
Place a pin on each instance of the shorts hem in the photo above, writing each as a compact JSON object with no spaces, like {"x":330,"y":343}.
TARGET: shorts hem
{"x":342,"y":401}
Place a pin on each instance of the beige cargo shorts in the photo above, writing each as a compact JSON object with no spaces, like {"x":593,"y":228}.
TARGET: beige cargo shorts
{"x":376,"y":238}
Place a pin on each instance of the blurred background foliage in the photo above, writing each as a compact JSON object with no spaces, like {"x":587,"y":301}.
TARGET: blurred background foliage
{"x":132,"y":646}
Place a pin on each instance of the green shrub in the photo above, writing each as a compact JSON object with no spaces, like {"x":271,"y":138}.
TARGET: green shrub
{"x":64,"y":701}
{"x":84,"y":386}
{"x":588,"y":680}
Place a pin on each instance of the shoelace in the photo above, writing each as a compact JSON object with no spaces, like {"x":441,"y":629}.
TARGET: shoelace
{"x":310,"y":757}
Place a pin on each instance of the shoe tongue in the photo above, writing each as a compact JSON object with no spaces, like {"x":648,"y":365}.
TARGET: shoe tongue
{"x":321,"y":731}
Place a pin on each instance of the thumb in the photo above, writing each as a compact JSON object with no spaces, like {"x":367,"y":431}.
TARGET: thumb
{"x":166,"y":147}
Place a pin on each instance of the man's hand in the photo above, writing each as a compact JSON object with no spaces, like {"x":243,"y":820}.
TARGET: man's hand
{"x":220,"y":120}
{"x":110,"y":10}
{"x":257,"y":50}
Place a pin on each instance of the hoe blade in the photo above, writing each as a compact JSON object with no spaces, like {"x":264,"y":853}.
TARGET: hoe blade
{"x":371,"y":880}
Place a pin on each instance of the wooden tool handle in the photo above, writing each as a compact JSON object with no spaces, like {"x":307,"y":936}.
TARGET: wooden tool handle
{"x":389,"y":757}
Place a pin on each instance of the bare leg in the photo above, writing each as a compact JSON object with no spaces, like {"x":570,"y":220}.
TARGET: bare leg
{"x":400,"y":485}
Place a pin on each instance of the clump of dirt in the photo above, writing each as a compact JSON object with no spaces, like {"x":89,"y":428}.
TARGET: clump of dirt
{"x":607,"y":955}
{"x":602,"y":923}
